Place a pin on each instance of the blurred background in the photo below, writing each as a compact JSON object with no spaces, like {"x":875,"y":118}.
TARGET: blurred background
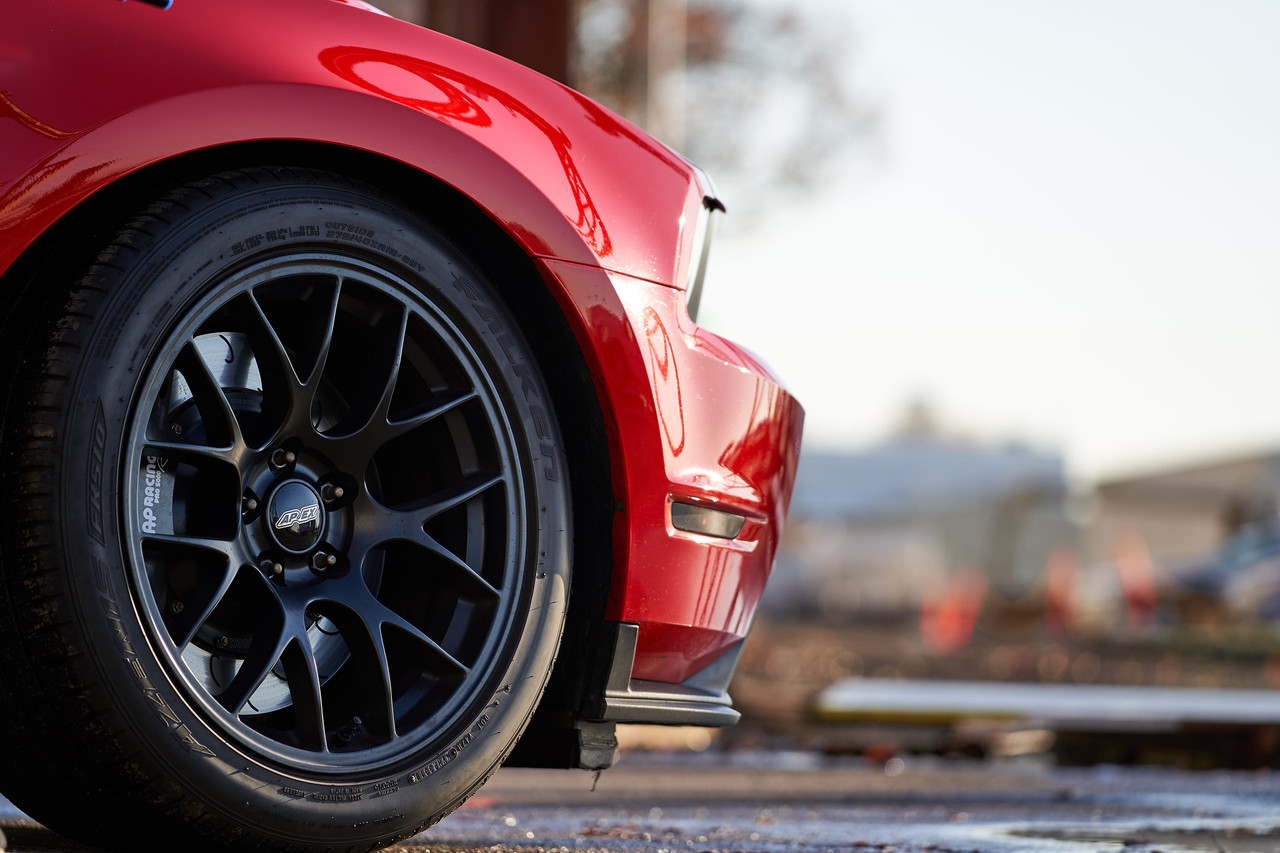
{"x":1020,"y":263}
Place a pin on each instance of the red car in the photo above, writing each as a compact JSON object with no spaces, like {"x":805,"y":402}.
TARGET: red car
{"x":357,"y":433}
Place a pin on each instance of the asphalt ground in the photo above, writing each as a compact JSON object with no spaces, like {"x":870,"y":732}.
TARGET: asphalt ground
{"x":798,"y":802}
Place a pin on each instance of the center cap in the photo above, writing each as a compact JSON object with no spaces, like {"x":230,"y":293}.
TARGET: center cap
{"x":295,"y":516}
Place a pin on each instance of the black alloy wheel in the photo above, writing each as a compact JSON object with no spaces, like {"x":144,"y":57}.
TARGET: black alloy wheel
{"x":323,"y":587}
{"x":323,"y":510}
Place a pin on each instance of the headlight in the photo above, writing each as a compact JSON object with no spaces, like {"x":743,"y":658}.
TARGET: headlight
{"x":703,"y":232}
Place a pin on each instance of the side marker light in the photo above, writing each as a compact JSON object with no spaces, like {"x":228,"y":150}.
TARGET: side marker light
{"x":709,"y":522}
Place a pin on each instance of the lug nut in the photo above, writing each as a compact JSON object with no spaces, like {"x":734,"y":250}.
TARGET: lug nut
{"x":250,"y":504}
{"x":331,"y":493}
{"x":270,"y":566}
{"x":321,"y":562}
{"x":222,"y":641}
{"x":176,"y":607}
{"x":281,"y":457}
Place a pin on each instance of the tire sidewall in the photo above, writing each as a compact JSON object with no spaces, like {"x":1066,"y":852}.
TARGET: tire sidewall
{"x":235,"y":228}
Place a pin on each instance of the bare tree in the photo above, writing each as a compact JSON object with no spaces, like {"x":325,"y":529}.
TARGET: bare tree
{"x":761,"y":95}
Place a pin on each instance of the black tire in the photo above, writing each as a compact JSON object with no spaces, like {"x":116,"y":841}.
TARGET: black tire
{"x":285,"y":541}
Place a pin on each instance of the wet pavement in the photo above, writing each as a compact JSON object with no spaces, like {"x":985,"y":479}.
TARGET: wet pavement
{"x":800,"y":802}
{"x":806,"y":803}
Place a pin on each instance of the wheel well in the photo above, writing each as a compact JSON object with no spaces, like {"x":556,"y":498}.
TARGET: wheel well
{"x":91,"y":224}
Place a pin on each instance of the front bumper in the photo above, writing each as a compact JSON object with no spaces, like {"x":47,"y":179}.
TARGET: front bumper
{"x":693,"y":420}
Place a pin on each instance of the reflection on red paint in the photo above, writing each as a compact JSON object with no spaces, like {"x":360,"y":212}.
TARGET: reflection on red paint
{"x":665,"y":374}
{"x":756,"y":453}
{"x":452,"y":95}
{"x":8,"y":109}
{"x":21,"y":199}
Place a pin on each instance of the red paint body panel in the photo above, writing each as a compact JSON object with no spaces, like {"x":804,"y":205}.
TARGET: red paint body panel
{"x":81,"y":108}
{"x":103,"y":89}
{"x":699,"y":420}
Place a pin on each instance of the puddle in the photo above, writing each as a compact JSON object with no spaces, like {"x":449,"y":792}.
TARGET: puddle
{"x":1165,"y":840}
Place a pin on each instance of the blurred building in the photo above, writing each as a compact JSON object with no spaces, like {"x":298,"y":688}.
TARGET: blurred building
{"x":876,"y":534}
{"x":1184,"y":513}
{"x":1204,"y":537}
{"x":922,"y":520}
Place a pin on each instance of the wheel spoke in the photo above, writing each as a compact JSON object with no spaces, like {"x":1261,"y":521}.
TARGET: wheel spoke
{"x":302,"y":674}
{"x":461,"y":565}
{"x":405,"y":522}
{"x":360,"y":442}
{"x":447,"y":499}
{"x":188,"y":622}
{"x":275,"y":624}
{"x":451,"y":665}
{"x":366,"y":641}
{"x":199,"y":543}
{"x":376,"y":616}
{"x":286,"y":402}
{"x":195,"y":611}
{"x":262,"y":656}
{"x":448,"y":403}
{"x":381,"y":525}
{"x":194,"y":453}
{"x":273,"y":357}
{"x":325,"y":344}
{"x":220,"y":421}
{"x":362,"y":429}
{"x":382,"y":410}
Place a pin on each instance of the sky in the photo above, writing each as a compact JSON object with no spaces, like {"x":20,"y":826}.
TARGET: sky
{"x":1068,"y":234}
